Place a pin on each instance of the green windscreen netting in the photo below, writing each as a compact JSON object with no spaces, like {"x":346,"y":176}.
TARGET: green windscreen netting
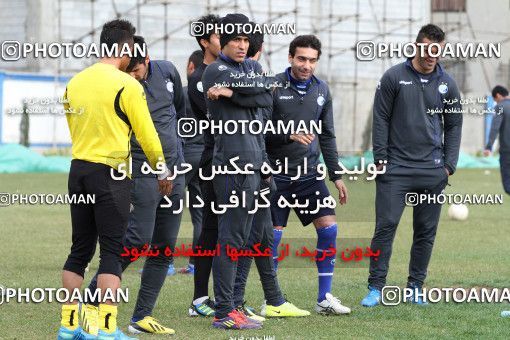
{"x":16,"y":158}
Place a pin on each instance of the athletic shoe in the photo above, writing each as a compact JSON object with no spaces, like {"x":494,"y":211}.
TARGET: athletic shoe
{"x":373,"y":297}
{"x":117,"y":335}
{"x":287,"y":309}
{"x":247,"y":319}
{"x":187,"y":270}
{"x":67,"y":334}
{"x":171,"y":270}
{"x":89,"y":315}
{"x":416,"y":289}
{"x":149,"y":325}
{"x":250,"y":313}
{"x":235,"y":320}
{"x":331,"y":306}
{"x":205,"y":308}
{"x":191,"y":311}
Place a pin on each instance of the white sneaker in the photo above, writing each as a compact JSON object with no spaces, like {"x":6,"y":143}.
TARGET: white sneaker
{"x":331,"y":306}
{"x":192,"y":311}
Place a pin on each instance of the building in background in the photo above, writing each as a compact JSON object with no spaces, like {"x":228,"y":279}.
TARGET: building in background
{"x":338,"y":23}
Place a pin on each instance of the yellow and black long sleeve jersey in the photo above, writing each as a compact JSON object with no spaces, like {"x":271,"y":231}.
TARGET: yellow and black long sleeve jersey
{"x":103,"y":106}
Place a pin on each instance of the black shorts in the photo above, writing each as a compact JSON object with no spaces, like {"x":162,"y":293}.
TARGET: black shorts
{"x":105,"y":219}
{"x":311,"y":189}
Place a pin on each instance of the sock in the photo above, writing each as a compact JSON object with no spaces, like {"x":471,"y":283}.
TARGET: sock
{"x":107,"y":318}
{"x":277,"y":237}
{"x":133,"y":319}
{"x":69,"y":316}
{"x":92,"y":288}
{"x":326,"y":238}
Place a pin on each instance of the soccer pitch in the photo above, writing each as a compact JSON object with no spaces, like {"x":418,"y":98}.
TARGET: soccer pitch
{"x":474,"y":253}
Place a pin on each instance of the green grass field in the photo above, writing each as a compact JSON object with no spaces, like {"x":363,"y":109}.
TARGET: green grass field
{"x":35,"y":241}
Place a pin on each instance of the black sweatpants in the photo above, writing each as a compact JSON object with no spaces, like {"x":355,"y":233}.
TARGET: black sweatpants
{"x":504,"y":163}
{"x":261,"y":232}
{"x":106,"y":219}
{"x":234,"y":228}
{"x":151,"y":224}
{"x":208,"y":238}
{"x":391,"y":190}
{"x":192,"y":154}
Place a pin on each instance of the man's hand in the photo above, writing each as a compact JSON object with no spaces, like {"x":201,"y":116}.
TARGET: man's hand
{"x":447,"y":172}
{"x":486,"y":153}
{"x":379,"y":167}
{"x":342,"y":191}
{"x":165,"y":186}
{"x":215,"y":93}
{"x":302,"y":138}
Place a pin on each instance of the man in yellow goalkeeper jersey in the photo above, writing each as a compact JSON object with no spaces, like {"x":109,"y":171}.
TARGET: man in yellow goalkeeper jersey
{"x":103,"y":106}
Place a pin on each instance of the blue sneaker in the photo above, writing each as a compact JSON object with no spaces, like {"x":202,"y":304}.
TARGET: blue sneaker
{"x":117,"y":335}
{"x":190,"y":269}
{"x":67,"y":334}
{"x":86,"y":336}
{"x":373,"y":297}
{"x":418,"y":300}
{"x":204,"y":308}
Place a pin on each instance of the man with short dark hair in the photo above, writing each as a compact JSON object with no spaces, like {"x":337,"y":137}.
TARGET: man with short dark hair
{"x":150,"y":222}
{"x":307,"y":99}
{"x":103,"y":107}
{"x":501,"y":125}
{"x":421,"y":148}
{"x":232,"y":68}
{"x":262,"y":228}
{"x":195,"y":59}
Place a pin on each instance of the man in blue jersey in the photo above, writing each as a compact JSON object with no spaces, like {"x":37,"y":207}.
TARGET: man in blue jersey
{"x":307,"y":99}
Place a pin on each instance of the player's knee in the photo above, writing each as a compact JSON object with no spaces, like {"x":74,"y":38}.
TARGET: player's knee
{"x":387,"y":223}
{"x":161,"y":260}
{"x":385,"y":231}
{"x":324,"y":221}
{"x":138,"y":241}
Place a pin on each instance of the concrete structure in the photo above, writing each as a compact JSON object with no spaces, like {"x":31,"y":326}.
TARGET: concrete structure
{"x":338,"y":23}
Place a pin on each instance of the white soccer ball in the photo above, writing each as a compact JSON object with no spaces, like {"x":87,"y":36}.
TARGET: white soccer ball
{"x":458,"y":212}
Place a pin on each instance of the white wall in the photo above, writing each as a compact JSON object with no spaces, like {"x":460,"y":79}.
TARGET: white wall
{"x":48,"y":124}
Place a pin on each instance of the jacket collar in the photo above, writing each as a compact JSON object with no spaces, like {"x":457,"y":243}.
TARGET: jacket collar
{"x":228,"y":60}
{"x":438,"y":70}
{"x":309,"y":83}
